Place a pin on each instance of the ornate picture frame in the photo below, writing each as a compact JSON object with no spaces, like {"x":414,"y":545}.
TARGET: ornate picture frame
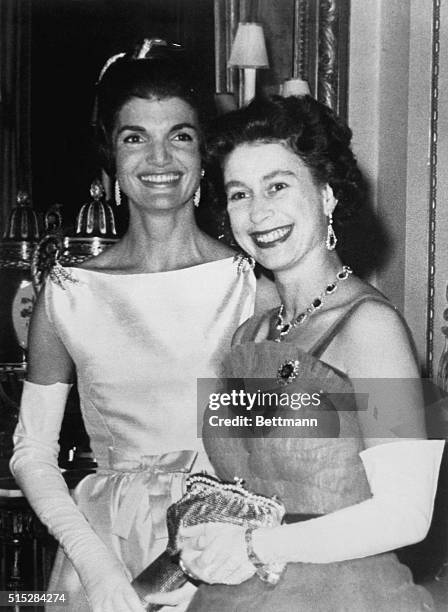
{"x":316,"y":45}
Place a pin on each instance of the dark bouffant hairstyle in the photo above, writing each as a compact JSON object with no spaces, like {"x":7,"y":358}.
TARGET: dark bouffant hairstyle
{"x":312,"y":130}
{"x":321,"y":140}
{"x":166,"y":72}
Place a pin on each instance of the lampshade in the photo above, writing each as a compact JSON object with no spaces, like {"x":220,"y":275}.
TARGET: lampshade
{"x":295,"y":87}
{"x":249,"y":49}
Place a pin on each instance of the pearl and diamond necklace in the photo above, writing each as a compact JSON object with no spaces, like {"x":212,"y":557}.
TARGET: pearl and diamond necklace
{"x":284,"y":328}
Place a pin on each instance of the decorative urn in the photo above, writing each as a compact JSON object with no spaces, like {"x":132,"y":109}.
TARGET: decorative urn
{"x":17,"y":295}
{"x":95,"y":231}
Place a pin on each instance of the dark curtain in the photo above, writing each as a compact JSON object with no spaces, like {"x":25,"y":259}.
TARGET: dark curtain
{"x":15,"y":72}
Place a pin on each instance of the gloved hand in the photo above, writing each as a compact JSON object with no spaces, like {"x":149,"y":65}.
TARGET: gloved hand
{"x":35,"y":467}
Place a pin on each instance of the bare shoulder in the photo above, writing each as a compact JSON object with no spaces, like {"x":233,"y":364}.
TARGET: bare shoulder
{"x":377,"y":342}
{"x":266,"y":296}
{"x":376,"y":319}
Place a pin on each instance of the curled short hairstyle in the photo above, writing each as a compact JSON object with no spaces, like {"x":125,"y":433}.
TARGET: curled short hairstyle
{"x":313,"y":131}
{"x":166,"y":72}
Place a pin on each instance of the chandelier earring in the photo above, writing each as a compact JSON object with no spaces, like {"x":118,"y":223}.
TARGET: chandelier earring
{"x":331,"y":240}
{"x":117,"y":193}
{"x":197,"y":196}
{"x":197,"y":193}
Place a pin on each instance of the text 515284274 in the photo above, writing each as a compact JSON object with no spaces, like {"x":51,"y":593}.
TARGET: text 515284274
{"x":32,"y":598}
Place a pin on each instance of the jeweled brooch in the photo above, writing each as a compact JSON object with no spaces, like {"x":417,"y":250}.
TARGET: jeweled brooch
{"x":244,"y":262}
{"x":288,"y":371}
{"x":61,"y":277}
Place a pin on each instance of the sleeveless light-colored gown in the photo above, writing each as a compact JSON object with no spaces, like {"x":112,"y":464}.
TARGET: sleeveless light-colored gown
{"x":139,"y":343}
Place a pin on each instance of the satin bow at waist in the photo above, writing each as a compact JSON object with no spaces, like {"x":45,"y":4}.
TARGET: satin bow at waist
{"x":157,"y":478}
{"x":176,"y":461}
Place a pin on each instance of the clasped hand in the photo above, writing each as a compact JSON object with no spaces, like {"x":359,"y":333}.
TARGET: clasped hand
{"x":215,"y":553}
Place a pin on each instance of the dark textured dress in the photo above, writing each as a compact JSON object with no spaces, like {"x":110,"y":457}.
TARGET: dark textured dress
{"x":313,"y":472}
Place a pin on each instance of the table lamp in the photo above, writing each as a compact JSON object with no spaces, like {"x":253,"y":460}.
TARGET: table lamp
{"x":249,"y":53}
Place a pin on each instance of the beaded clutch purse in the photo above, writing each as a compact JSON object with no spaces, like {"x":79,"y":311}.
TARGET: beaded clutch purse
{"x":208,"y":500}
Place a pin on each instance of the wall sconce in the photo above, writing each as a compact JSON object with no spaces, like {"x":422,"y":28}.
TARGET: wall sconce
{"x":249,"y":52}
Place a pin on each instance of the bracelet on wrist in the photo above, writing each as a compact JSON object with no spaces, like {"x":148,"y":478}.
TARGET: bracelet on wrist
{"x":268,"y":572}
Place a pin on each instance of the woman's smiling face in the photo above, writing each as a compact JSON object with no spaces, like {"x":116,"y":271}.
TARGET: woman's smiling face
{"x":275,"y":207}
{"x":157,"y":152}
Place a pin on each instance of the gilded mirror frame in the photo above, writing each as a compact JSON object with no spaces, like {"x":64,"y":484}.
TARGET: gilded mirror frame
{"x":318,"y":53}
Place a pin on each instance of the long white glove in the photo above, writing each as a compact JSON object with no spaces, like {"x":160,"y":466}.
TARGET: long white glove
{"x":35,"y":467}
{"x":403,"y":480}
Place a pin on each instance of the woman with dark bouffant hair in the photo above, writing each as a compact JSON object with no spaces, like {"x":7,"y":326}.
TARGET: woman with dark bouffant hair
{"x":138,"y":324}
{"x":345,"y":445}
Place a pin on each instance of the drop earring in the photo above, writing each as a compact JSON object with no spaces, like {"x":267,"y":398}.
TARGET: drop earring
{"x":117,"y":193}
{"x":197,"y":193}
{"x":197,"y":196}
{"x":331,"y":240}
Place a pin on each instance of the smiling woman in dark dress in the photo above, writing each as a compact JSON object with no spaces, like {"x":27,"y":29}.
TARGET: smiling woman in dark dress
{"x":366,"y":476}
